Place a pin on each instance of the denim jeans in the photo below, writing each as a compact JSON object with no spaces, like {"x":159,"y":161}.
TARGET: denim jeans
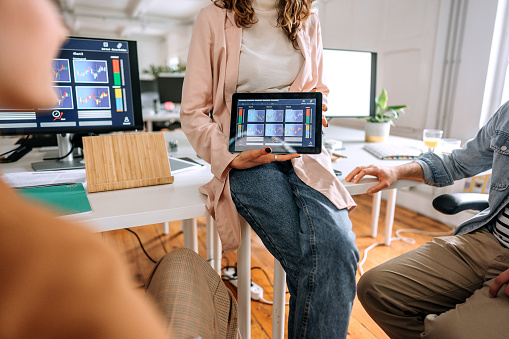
{"x":311,"y":238}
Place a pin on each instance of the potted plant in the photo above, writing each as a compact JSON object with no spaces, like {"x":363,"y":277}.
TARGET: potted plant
{"x":377,"y":127}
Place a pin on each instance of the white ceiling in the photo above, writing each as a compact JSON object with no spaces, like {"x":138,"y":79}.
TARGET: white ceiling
{"x":123,"y":18}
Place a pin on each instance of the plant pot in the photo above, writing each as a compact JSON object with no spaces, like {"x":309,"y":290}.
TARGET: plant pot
{"x":377,"y":131}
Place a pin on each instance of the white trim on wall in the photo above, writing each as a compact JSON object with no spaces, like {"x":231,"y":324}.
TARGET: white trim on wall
{"x":498,"y":64}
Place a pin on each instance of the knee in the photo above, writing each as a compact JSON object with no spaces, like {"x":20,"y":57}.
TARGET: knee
{"x":371,"y":287}
{"x":341,"y":246}
{"x":440,"y":326}
{"x":365,"y":286}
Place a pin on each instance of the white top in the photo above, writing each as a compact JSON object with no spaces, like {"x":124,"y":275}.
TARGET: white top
{"x":501,"y":230}
{"x":268,"y":61}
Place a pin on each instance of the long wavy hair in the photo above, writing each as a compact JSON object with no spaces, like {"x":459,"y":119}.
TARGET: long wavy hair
{"x":291,"y":14}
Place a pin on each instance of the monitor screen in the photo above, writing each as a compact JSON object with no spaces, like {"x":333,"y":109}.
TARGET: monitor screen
{"x":148,"y":86}
{"x":351,"y":78}
{"x":170,"y":87}
{"x":98,"y":90}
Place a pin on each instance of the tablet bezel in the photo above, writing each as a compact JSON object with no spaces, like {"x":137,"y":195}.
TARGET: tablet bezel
{"x":317,"y":149}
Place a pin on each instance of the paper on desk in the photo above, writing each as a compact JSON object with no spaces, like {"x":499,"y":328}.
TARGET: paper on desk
{"x":45,"y":178}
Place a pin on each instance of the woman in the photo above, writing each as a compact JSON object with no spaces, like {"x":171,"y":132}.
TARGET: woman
{"x":295,"y":204}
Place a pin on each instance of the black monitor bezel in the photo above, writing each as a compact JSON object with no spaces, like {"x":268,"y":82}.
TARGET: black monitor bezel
{"x":135,"y":94}
{"x":317,"y":149}
{"x":160,"y":86}
{"x":373,"y":94}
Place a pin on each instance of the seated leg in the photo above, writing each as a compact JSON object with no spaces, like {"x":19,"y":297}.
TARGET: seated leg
{"x":478,"y":317}
{"x":431,"y":279}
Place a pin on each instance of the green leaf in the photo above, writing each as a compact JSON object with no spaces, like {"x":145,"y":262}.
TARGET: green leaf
{"x":397,"y":108}
{"x":382,"y":100}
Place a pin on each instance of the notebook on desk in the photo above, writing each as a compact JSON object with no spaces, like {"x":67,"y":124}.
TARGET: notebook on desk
{"x":393,"y":151}
{"x":65,"y":199}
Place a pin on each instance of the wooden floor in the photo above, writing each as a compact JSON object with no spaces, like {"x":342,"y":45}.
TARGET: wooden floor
{"x":361,"y":326}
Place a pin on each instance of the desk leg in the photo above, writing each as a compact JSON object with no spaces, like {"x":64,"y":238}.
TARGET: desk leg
{"x":190,"y":230}
{"x":279,"y":293}
{"x":389,"y":215}
{"x":149,"y":126}
{"x":209,"y":240}
{"x":244,"y":280}
{"x":375,"y":213}
{"x":218,"y":250}
{"x":214,"y":254}
{"x":166,"y":228}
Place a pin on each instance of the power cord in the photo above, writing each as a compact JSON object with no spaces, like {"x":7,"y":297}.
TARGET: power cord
{"x":16,"y":153}
{"x":141,"y":244}
{"x":230,"y":275}
{"x":400,"y":238}
{"x":62,"y":157}
{"x":21,"y":145}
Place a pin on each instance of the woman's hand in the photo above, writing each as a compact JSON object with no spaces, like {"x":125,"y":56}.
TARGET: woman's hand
{"x":324,"y":120}
{"x":255,"y":157}
{"x":324,"y":109}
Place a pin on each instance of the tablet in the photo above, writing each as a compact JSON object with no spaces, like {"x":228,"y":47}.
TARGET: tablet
{"x":289,"y":122}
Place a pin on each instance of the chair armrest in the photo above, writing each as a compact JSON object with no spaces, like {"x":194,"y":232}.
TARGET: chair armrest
{"x":456,"y":202}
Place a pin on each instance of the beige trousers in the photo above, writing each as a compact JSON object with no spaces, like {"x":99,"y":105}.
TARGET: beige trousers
{"x":440,"y":290}
{"x":192,"y":298}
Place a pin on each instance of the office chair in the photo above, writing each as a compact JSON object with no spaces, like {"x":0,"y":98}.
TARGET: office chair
{"x":456,"y":202}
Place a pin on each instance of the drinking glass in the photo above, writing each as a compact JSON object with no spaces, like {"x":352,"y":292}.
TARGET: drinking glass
{"x":432,"y":138}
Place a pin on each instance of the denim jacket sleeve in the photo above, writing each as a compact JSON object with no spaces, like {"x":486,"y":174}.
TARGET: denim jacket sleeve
{"x":477,"y":155}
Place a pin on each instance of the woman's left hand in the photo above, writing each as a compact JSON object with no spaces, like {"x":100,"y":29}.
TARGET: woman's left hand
{"x":324,"y":120}
{"x":256,"y":157}
{"x":324,"y":109}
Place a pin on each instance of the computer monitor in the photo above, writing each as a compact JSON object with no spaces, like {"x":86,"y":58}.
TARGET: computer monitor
{"x":98,"y":91}
{"x":351,"y":78}
{"x":170,"y":87}
{"x":148,"y":86}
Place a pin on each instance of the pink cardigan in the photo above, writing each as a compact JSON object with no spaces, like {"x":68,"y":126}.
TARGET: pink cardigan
{"x":210,"y":81}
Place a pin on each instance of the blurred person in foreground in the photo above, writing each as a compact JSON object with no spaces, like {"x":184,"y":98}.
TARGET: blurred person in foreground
{"x":57,"y":279}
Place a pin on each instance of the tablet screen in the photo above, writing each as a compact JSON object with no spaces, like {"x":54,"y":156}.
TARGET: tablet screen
{"x":286,"y":122}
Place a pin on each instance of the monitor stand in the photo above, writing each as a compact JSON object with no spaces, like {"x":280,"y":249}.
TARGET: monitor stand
{"x":67,"y":163}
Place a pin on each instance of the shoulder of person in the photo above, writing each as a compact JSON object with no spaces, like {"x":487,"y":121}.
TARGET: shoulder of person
{"x":311,"y":24}
{"x":215,"y":15}
{"x":212,"y":11}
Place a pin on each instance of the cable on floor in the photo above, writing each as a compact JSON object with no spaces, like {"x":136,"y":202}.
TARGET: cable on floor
{"x":400,"y":238}
{"x":141,"y":244}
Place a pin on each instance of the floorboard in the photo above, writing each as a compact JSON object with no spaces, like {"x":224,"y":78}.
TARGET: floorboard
{"x":361,"y":326}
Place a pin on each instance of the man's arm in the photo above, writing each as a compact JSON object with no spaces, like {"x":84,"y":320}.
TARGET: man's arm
{"x":386,"y":175}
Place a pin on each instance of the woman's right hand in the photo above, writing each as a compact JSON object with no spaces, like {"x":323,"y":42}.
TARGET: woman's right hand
{"x":256,"y":157}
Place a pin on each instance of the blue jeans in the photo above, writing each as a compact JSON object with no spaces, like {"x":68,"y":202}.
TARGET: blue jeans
{"x":311,"y":238}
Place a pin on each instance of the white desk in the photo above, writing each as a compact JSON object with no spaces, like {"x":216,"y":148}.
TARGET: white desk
{"x":353,"y":141}
{"x":139,"y":206}
{"x":182,"y":201}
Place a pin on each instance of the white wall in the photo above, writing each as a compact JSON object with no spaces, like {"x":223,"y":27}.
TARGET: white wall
{"x":477,"y":41}
{"x":177,"y":43}
{"x":412,"y":39}
{"x":433,"y":57}
{"x":150,"y":51}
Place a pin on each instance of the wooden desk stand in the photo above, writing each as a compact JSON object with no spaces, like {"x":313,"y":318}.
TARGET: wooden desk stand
{"x":121,"y":161}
